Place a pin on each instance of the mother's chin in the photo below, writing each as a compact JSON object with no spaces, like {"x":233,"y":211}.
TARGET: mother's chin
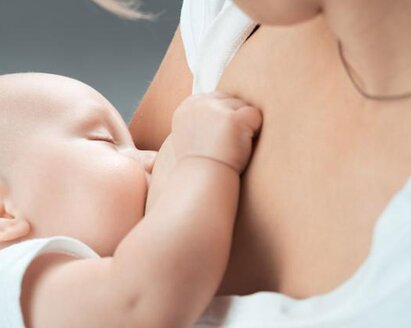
{"x":280,"y":12}
{"x":163,"y":166}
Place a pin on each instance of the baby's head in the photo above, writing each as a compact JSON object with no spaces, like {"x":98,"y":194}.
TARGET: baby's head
{"x":68,"y":165}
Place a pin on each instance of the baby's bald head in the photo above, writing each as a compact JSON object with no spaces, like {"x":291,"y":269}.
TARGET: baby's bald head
{"x":21,"y":100}
{"x":29,"y":101}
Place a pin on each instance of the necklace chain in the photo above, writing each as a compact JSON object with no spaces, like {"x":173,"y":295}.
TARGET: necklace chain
{"x":360,"y":90}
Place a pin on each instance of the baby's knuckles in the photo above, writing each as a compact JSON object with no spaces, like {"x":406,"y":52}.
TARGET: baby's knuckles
{"x":207,"y":126}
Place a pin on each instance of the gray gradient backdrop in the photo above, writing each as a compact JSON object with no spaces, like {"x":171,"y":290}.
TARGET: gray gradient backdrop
{"x":78,"y":39}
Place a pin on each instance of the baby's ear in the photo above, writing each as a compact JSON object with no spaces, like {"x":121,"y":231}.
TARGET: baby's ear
{"x":12,"y":227}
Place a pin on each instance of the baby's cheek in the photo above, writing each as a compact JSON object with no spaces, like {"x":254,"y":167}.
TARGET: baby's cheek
{"x":122,"y":209}
{"x":128,"y":192}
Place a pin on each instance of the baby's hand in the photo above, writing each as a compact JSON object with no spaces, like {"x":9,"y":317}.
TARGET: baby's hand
{"x":216,"y":126}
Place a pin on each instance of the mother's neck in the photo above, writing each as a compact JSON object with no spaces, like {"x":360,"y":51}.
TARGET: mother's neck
{"x":375,"y":35}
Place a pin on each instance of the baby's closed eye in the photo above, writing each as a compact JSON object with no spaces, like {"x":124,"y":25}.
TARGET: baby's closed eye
{"x":103,"y":137}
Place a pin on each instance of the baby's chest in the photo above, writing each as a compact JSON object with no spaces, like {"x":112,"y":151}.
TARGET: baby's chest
{"x":316,"y":183}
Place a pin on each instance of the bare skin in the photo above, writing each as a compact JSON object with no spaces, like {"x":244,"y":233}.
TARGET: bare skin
{"x":328,"y":160}
{"x":78,"y":174}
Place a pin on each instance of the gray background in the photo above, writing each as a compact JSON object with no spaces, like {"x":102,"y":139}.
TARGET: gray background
{"x":76,"y":38}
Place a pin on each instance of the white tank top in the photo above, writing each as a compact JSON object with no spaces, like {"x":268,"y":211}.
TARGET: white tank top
{"x":212,"y":32}
{"x":379,"y":293}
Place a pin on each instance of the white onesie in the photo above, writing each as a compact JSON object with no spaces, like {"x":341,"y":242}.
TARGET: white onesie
{"x":379,"y":294}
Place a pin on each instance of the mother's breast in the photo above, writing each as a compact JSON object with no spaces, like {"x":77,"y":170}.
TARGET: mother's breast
{"x":282,"y":71}
{"x":287,"y":193}
{"x":294,"y":234}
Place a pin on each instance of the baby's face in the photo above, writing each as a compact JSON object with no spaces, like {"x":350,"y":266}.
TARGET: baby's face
{"x":77,"y":172}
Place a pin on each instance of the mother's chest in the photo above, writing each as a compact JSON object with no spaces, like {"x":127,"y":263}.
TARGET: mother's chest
{"x":315,"y":185}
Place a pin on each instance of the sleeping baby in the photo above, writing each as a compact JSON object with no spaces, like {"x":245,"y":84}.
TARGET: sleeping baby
{"x":76,"y":248}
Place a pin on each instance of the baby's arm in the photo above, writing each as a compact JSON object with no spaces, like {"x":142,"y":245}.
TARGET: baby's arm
{"x":166,"y":270}
{"x":187,"y":233}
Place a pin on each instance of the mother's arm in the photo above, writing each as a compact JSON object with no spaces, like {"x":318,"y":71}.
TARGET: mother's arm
{"x":151,"y":123}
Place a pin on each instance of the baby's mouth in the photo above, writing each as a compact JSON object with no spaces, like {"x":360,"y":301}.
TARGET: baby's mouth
{"x":149,"y":160}
{"x":148,"y":179}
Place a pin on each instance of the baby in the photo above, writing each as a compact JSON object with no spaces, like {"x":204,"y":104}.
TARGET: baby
{"x":68,"y":167}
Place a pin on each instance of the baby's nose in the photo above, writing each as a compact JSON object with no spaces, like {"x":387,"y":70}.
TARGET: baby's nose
{"x":145,"y":157}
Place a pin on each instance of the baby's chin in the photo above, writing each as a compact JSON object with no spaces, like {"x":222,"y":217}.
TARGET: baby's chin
{"x":106,"y":243}
{"x":106,"y":249}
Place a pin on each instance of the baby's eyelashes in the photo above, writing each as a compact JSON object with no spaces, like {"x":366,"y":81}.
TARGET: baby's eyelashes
{"x":105,"y":138}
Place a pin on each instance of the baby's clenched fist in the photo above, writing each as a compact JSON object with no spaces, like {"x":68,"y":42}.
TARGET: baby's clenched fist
{"x":216,"y":126}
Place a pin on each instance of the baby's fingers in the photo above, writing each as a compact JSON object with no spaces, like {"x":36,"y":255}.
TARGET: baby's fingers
{"x":251,"y":117}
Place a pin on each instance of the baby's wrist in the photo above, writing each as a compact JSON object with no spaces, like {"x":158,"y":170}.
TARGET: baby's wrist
{"x":210,"y":160}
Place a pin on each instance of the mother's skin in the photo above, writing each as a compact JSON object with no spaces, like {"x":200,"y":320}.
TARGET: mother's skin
{"x":327,"y":160}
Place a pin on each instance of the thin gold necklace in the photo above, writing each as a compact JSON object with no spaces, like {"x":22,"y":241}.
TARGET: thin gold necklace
{"x":348,"y":70}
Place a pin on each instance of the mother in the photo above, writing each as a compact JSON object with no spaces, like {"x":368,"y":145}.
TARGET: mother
{"x":334,"y":149}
